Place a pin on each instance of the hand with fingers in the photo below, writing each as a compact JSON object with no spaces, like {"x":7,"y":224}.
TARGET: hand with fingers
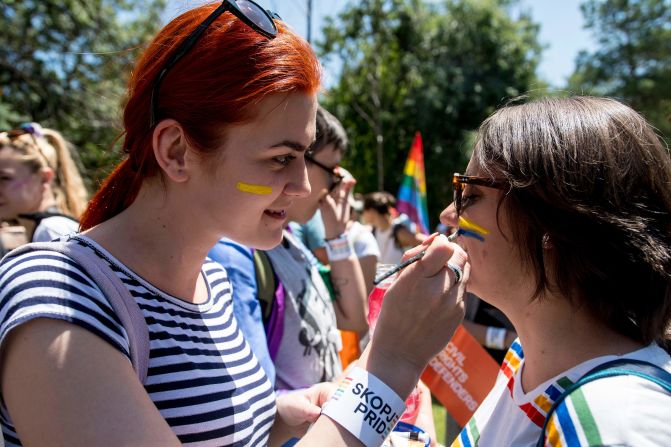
{"x":423,"y":307}
{"x":300,"y":408}
{"x":297,"y":410}
{"x":335,"y":208}
{"x":421,"y":312}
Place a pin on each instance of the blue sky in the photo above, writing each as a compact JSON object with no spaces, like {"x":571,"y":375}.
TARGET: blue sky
{"x":561,"y":28}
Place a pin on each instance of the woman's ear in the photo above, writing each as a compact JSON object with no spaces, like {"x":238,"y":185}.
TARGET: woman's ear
{"x":47,"y":175}
{"x":170,"y":149}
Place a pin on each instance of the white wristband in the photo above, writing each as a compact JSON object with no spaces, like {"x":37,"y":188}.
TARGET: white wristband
{"x":339,"y":248}
{"x":365,"y":406}
{"x":496,"y":338}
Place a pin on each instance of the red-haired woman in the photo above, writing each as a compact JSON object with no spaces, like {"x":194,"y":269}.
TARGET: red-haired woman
{"x":221,"y":107}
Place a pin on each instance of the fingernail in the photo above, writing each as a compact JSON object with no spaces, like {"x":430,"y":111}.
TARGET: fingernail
{"x":429,"y":239}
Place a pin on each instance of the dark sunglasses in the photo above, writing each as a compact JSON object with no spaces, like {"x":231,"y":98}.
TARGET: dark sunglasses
{"x":334,"y":177}
{"x":249,"y":12}
{"x":459,"y":181}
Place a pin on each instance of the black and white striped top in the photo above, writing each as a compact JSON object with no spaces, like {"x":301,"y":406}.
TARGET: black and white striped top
{"x":202,"y":375}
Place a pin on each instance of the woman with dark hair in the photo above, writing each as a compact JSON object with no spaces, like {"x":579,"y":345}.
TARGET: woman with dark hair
{"x":576,"y":196}
{"x":220,"y":112}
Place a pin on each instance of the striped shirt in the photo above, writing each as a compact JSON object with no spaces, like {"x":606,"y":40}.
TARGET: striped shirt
{"x":202,"y":375}
{"x":622,"y":410}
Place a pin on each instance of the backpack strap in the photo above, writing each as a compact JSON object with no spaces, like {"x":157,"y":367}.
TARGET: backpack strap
{"x":266,"y":283}
{"x":38,"y":216}
{"x":32,"y":220}
{"x":123,"y":303}
{"x":619,"y":367}
{"x":270,"y":293}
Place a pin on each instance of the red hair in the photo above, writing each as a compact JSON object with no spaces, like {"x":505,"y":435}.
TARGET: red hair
{"x":228,"y":71}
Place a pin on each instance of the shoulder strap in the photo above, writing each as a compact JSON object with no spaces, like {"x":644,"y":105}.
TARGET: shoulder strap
{"x":124,"y":305}
{"x":32,"y":220}
{"x":266,"y":284}
{"x":38,"y":216}
{"x":619,"y":367}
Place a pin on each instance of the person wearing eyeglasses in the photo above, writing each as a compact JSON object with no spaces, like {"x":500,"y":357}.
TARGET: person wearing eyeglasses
{"x":575,"y":197}
{"x":219,"y":116}
{"x":332,"y":136}
{"x":41,"y":191}
{"x":312,"y":302}
{"x":322,"y":303}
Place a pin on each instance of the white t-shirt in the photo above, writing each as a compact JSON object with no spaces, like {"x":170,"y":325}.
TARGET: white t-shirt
{"x":390,"y":253}
{"x":362,"y":240}
{"x":613,"y":411}
{"x":307,"y":352}
{"x":51,"y":228}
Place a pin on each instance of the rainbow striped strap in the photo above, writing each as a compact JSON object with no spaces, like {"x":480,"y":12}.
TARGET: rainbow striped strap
{"x":339,"y":248}
{"x":617,"y":367}
{"x":365,"y":406}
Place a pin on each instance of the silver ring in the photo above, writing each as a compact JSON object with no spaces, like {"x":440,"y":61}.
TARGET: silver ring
{"x":458,"y":273}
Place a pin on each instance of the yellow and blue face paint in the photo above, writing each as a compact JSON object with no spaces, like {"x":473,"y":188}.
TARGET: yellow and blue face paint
{"x":261,"y":190}
{"x":471,"y":229}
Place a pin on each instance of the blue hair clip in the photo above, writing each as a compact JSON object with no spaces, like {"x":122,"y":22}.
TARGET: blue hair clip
{"x":32,"y":128}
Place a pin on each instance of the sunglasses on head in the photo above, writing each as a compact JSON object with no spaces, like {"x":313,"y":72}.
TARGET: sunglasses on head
{"x":35,"y":132}
{"x":249,"y":12}
{"x":334,"y":177}
{"x":459,"y":181}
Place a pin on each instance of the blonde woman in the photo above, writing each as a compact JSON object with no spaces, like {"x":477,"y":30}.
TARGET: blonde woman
{"x":41,"y":191}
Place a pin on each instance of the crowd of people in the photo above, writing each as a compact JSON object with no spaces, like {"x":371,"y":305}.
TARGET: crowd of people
{"x":237,"y":237}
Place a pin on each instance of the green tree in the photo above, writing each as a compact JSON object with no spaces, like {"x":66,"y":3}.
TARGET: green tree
{"x":64,"y":63}
{"x":633,"y":59}
{"x":439,"y":68}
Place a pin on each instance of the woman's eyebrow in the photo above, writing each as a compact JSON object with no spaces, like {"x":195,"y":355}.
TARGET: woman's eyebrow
{"x":295,"y":145}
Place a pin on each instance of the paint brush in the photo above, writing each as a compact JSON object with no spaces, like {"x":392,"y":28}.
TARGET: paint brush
{"x":409,"y":261}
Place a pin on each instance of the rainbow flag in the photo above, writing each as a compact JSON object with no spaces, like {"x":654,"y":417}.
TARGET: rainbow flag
{"x":411,"y":198}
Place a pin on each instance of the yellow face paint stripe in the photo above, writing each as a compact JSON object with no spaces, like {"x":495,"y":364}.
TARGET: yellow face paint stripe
{"x":254,"y":189}
{"x":468,"y":225}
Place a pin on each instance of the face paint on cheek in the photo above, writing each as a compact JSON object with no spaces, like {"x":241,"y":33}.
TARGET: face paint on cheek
{"x":472,"y":234}
{"x":254,"y":189}
{"x":471,"y":229}
{"x":17,"y":184}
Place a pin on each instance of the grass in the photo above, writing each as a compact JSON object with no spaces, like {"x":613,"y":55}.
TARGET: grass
{"x":446,"y":430}
{"x":439,"y":415}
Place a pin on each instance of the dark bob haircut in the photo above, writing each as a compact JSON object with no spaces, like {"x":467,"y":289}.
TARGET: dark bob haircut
{"x":590,"y":176}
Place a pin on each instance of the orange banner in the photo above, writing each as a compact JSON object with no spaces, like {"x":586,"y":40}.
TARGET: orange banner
{"x":350,"y":348}
{"x":461,"y":375}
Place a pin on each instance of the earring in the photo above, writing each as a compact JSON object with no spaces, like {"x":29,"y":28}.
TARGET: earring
{"x":546,"y":243}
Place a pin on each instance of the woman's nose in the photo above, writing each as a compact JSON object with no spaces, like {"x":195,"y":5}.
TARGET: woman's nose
{"x":449,"y":216}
